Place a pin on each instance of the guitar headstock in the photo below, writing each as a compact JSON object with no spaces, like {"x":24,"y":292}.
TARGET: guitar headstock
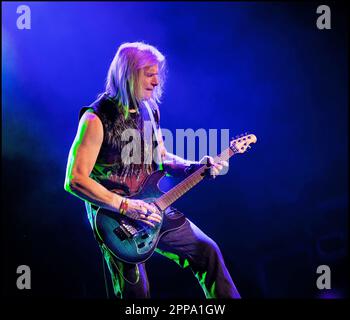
{"x":242,"y":143}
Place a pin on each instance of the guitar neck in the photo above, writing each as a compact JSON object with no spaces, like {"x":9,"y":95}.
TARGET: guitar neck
{"x":180,"y":189}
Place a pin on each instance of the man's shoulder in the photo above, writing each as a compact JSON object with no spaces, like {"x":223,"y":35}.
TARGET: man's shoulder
{"x":83,"y":110}
{"x":104,"y":107}
{"x":89,"y":115}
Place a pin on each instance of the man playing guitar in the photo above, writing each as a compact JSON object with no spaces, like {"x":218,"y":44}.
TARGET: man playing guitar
{"x":97,"y":173}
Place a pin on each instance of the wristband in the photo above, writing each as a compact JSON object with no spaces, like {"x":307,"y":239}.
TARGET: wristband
{"x":123,"y":206}
{"x":192,"y":168}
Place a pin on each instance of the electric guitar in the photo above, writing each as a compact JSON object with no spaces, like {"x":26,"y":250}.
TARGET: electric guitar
{"x":134,"y":242}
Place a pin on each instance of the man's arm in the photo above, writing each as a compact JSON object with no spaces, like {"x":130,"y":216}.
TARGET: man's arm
{"x":174,"y":165}
{"x":81,"y":160}
{"x":178,"y":161}
{"x":180,"y":167}
{"x":177,"y":166}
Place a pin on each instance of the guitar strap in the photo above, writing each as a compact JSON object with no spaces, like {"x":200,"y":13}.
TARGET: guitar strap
{"x":155,"y":130}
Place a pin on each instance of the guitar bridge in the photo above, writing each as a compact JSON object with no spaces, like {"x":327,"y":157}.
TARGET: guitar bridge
{"x":125,"y":231}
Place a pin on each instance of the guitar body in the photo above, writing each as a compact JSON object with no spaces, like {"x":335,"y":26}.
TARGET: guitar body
{"x":129,"y":240}
{"x":132,"y":241}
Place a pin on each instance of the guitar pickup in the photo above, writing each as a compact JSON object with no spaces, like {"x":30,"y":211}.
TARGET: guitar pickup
{"x":141,"y":245}
{"x":120,"y":233}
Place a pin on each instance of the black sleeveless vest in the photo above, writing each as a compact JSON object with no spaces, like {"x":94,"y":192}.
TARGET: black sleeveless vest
{"x":110,"y":169}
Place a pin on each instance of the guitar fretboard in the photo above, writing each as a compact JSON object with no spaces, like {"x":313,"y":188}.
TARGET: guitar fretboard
{"x":180,"y":189}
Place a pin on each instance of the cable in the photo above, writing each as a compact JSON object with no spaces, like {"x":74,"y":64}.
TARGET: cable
{"x":103,"y":247}
{"x":137,"y":273}
{"x":104,"y":276}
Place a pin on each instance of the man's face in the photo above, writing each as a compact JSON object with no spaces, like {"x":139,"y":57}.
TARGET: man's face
{"x":147,"y":80}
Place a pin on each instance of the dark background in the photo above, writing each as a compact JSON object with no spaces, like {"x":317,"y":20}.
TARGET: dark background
{"x":280,"y":212}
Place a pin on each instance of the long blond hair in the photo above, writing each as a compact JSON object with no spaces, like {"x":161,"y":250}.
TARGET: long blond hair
{"x":122,"y":77}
